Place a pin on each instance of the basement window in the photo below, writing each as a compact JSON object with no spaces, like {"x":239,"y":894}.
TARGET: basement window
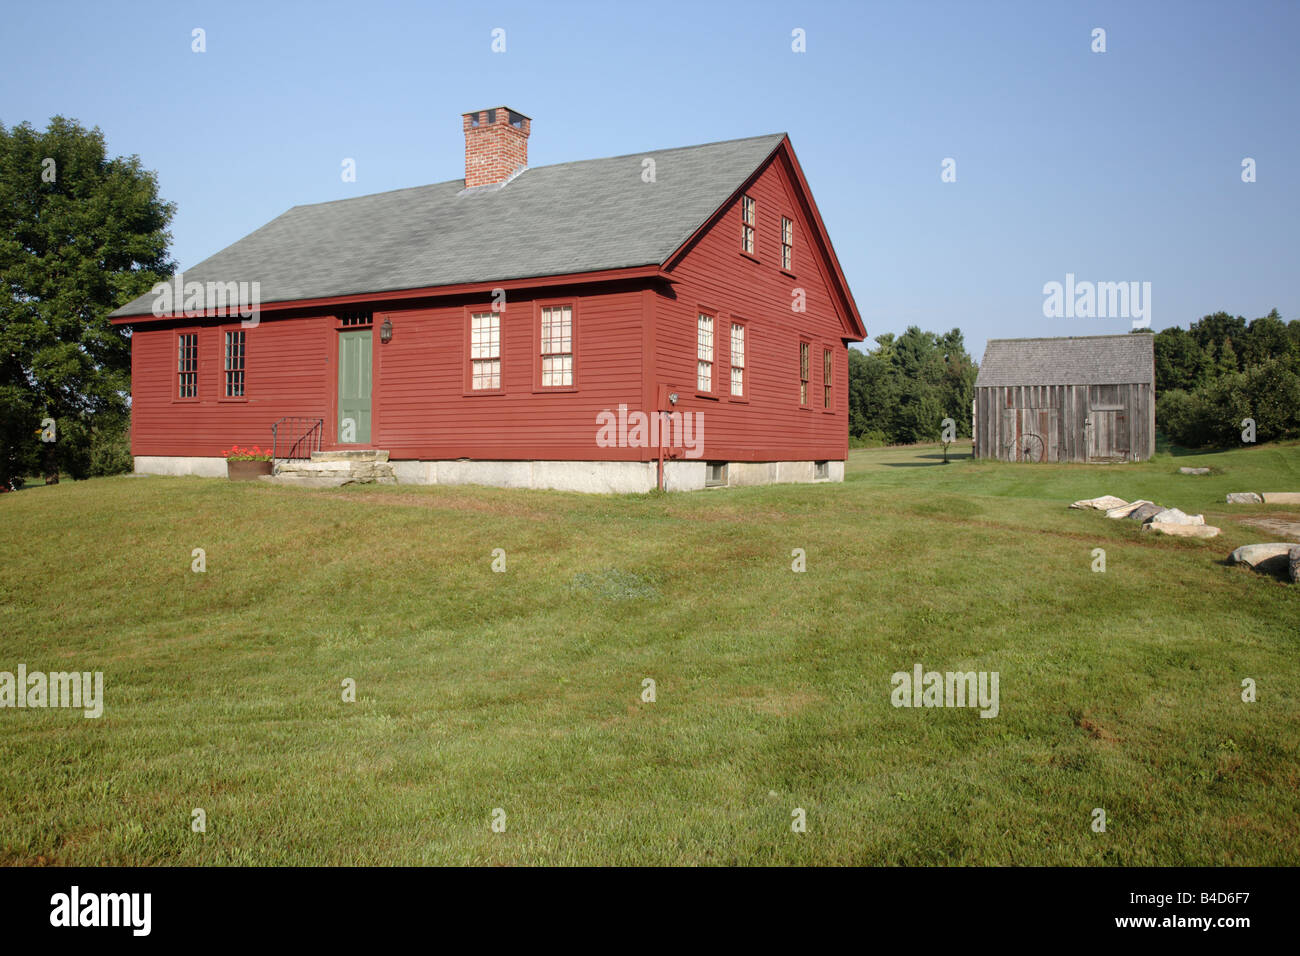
{"x":715,"y":474}
{"x":821,"y":469}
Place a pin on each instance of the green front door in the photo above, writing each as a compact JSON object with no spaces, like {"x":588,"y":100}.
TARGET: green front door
{"x":354,"y":387}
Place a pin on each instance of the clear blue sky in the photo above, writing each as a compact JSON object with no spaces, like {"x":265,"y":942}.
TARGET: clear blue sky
{"x":1117,"y":166}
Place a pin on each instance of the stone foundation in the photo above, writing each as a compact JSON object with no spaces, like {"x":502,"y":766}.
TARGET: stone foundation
{"x":598,"y":477}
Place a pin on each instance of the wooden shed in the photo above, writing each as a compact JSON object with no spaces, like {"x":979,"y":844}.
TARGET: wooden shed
{"x":1079,"y":398}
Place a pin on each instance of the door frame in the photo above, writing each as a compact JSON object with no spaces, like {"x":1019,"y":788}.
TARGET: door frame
{"x":331,"y":443}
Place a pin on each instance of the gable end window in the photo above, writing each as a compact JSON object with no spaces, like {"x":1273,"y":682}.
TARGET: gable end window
{"x":803,"y":373}
{"x":828,"y":359}
{"x":748,"y":220}
{"x":737,"y":360}
{"x":704,"y":354}
{"x":485,"y":351}
{"x":234,"y":364}
{"x":787,"y":244}
{"x":187,"y":365}
{"x":557,"y":346}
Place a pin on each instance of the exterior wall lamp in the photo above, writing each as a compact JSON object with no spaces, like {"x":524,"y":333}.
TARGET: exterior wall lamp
{"x":386,"y":330}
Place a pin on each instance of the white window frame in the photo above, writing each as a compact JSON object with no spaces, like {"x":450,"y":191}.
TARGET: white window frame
{"x":704,"y":327}
{"x":485,"y":351}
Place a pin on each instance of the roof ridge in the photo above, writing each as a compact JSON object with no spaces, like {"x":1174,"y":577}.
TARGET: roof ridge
{"x":527,"y":169}
{"x":1065,"y":338}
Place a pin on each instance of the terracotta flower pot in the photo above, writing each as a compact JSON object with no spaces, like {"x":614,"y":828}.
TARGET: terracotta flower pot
{"x":247,"y":470}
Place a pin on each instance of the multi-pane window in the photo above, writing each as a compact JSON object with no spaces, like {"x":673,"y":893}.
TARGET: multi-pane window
{"x":485,"y":350}
{"x":234,"y":364}
{"x":557,"y":346}
{"x":827,"y":360}
{"x":803,"y":373}
{"x":748,"y":219}
{"x":787,"y":243}
{"x":737,"y":359}
{"x":704,"y":354}
{"x":187,"y":365}
{"x":351,"y":319}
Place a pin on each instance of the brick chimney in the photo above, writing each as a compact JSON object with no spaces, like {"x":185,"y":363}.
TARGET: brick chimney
{"x":496,"y":145}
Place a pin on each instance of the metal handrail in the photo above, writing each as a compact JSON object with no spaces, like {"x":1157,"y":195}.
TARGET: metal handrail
{"x":299,"y":438}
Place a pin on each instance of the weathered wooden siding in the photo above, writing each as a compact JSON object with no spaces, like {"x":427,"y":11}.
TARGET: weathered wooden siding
{"x":1065,"y":423}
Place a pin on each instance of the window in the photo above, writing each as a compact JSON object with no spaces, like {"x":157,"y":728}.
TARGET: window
{"x":235,"y":364}
{"x":557,"y":346}
{"x":187,"y":365}
{"x":821,"y":469}
{"x":827,"y":360}
{"x":747,"y":222}
{"x":715,"y":474}
{"x":704,"y":354}
{"x":737,"y":359}
{"x":354,"y":319}
{"x":803,"y":373}
{"x":485,"y":351}
{"x":516,"y":119}
{"x":787,"y":243}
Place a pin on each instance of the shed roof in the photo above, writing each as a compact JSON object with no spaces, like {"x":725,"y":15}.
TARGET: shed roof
{"x":585,"y":216}
{"x":1069,"y":360}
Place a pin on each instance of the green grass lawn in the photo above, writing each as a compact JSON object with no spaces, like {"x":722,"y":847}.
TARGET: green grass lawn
{"x":522,"y":690}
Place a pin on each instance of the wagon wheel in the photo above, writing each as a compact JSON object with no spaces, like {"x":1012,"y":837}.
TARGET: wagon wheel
{"x":1032,"y":448}
{"x":1028,"y":447}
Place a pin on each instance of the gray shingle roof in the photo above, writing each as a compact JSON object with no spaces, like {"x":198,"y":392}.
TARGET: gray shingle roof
{"x":551,"y":220}
{"x":1072,"y":360}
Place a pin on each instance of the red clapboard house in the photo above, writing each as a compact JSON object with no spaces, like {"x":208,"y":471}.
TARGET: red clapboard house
{"x":675,"y":317}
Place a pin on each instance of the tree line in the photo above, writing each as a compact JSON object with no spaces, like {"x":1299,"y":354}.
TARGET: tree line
{"x":1221,"y":371}
{"x":900,"y":391}
{"x":1210,"y":378}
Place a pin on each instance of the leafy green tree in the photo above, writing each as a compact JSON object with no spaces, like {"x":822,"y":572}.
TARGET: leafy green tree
{"x":80,"y":233}
{"x":901,"y":391}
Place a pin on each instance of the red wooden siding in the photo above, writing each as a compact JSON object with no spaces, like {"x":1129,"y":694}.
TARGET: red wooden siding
{"x":287,"y":372}
{"x":631,"y":334}
{"x":717,"y":277}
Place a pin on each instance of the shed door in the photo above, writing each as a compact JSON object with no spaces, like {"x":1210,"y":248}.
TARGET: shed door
{"x":1107,"y":434}
{"x":354,"y":387}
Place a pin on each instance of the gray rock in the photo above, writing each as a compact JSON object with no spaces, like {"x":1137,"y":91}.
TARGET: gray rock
{"x":1174,"y":516}
{"x":1244,"y":498}
{"x":1264,"y":557}
{"x":1183,"y":530}
{"x":1146,"y":511}
{"x":1104,"y":503}
{"x":1294,"y":562}
{"x":1193,"y":471}
{"x":1123,"y":511}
